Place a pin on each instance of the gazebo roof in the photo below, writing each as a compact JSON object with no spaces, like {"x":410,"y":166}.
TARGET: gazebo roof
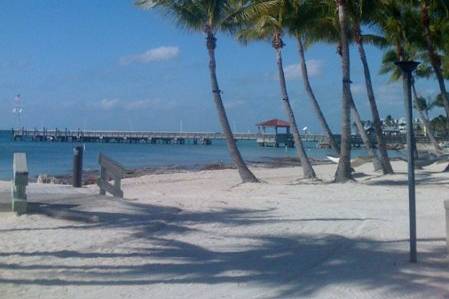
{"x":274,"y":123}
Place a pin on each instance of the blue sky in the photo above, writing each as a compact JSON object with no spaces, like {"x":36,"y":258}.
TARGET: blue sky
{"x":107,"y":65}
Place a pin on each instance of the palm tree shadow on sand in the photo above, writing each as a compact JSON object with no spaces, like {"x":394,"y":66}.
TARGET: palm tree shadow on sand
{"x":288,"y":265}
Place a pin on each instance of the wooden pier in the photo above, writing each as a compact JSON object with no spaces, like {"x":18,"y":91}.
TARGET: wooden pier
{"x":66,"y":135}
{"x":205,"y":138}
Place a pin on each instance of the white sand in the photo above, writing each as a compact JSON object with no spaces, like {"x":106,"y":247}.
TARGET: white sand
{"x":203,"y":235}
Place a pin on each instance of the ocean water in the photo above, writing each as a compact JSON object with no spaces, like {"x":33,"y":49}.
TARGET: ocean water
{"x":55,"y":158}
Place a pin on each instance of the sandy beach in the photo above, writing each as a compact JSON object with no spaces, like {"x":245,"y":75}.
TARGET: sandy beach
{"x":204,"y":235}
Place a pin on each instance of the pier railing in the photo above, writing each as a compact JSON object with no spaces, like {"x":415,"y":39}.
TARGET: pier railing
{"x":138,"y":136}
{"x":106,"y":136}
{"x":62,"y":135}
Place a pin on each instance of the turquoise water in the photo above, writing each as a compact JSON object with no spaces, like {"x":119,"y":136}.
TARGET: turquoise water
{"x":55,"y":158}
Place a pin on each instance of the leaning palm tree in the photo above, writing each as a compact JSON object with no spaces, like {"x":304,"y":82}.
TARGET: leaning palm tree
{"x":209,"y":16}
{"x":362,"y":11}
{"x":304,"y":19}
{"x":400,"y":23}
{"x":434,"y":21}
{"x":333,"y":27}
{"x":270,"y":24}
{"x":423,"y":71}
{"x":326,"y":27}
{"x":421,"y":106}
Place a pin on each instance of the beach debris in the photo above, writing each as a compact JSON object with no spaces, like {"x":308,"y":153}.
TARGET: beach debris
{"x":46,"y":179}
{"x":356,"y":162}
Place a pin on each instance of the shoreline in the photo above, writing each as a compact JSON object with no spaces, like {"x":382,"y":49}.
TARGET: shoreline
{"x":89,"y":176}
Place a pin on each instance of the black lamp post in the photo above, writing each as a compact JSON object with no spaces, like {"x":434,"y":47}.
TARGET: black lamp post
{"x":407,"y":68}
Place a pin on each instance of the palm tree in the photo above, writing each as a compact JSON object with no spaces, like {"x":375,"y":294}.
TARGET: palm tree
{"x":328,"y":29}
{"x":209,"y":16}
{"x":309,"y":90}
{"x":271,"y":24}
{"x":360,"y":10}
{"x":421,"y":106}
{"x":434,"y":21}
{"x":343,"y":173}
{"x":399,"y":22}
{"x":423,"y":71}
{"x":302,"y":20}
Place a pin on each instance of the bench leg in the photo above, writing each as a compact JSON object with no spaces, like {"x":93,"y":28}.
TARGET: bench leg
{"x":19,"y":206}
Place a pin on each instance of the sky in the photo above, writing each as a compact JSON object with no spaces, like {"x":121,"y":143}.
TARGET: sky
{"x":96,"y":64}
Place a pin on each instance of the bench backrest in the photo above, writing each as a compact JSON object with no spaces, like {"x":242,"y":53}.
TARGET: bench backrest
{"x":110,"y":169}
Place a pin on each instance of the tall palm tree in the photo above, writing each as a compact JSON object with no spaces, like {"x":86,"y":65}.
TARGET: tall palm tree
{"x":400,"y":24}
{"x":434,"y":20}
{"x":327,"y":28}
{"x":304,"y":18}
{"x":343,"y":173}
{"x":361,"y":11}
{"x":311,"y":94}
{"x":270,"y":24}
{"x":423,"y":71}
{"x":209,"y":16}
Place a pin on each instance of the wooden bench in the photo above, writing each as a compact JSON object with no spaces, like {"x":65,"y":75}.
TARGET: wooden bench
{"x":110,"y":169}
{"x":19,"y":183}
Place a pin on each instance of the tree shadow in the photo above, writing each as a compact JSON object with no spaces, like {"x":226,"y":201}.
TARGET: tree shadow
{"x":149,"y":218}
{"x":421,"y":178}
{"x":288,"y":265}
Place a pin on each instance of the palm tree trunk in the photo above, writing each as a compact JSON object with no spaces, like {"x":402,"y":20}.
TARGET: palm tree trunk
{"x":313,"y":100}
{"x":343,"y":172}
{"x":365,"y":138}
{"x":245,"y":174}
{"x":426,"y":123}
{"x":435,"y":59}
{"x":305,"y":163}
{"x":386,"y":165}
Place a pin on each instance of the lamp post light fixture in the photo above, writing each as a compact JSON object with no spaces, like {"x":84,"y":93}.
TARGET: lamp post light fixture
{"x":407,"y":68}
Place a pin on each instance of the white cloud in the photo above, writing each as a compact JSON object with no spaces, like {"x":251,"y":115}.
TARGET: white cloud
{"x":387,"y":94}
{"x":358,"y":89}
{"x":314,"y":69}
{"x":156,"y":54}
{"x":108,"y":104}
{"x":146,"y":104}
{"x":156,"y":104}
{"x":292,"y":71}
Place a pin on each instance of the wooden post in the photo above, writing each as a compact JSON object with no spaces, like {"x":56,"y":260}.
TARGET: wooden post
{"x":77,"y":166}
{"x":20,"y":181}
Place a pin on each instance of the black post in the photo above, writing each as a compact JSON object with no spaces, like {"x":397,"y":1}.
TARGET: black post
{"x":77,"y":166}
{"x":407,"y":67}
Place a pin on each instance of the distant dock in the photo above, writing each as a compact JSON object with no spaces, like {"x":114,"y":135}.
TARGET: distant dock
{"x":204,"y":138}
{"x":67,"y":135}
{"x":200,"y":138}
